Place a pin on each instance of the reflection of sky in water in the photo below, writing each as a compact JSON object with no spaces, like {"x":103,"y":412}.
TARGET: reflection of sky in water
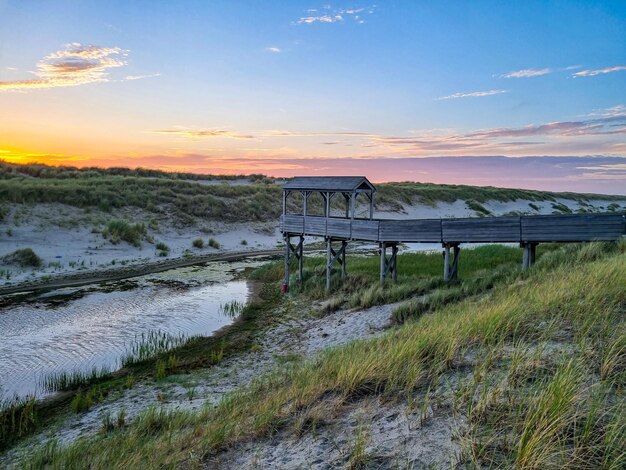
{"x":95,"y":329}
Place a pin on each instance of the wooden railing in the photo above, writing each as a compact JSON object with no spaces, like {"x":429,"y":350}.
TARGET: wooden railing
{"x":542,"y":228}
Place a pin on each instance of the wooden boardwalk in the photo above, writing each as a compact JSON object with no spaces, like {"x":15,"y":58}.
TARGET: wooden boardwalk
{"x":522,"y":229}
{"x":528,"y":231}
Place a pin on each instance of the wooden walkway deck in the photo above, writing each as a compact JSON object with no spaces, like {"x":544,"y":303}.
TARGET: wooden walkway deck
{"x":522,"y":229}
{"x":528,"y":231}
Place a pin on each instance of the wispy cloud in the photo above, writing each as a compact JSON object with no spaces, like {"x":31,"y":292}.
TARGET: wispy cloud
{"x":527,"y":73}
{"x":594,"y":72}
{"x":326,"y":14}
{"x":273,"y":50}
{"x":76,"y":64}
{"x":474,"y":94}
{"x":139,"y":77}
{"x":203,"y":133}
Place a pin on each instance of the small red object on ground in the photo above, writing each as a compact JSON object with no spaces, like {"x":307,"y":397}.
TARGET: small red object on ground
{"x":285,"y":288}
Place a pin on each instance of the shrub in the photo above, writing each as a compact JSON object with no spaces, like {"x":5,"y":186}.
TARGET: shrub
{"x":244,"y":242}
{"x":213,"y":243}
{"x":24,"y":257}
{"x":198,"y":243}
{"x":162,"y":247}
{"x":121,"y":230}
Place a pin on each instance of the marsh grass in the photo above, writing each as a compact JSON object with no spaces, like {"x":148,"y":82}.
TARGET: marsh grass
{"x":150,"y":345}
{"x":556,"y":411}
{"x":18,"y":418}
{"x":64,"y":381}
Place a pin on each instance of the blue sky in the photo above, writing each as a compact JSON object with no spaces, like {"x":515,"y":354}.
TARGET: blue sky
{"x":299,"y":87}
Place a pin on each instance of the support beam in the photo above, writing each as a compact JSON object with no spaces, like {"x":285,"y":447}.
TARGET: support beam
{"x":287,"y":263}
{"x":329,"y":264}
{"x":352,"y":205}
{"x":346,"y":196}
{"x":332,"y":256}
{"x":383,"y":261}
{"x":390,"y":265}
{"x":342,"y":260}
{"x":300,"y":259}
{"x":371,"y":198}
{"x":450,"y":265}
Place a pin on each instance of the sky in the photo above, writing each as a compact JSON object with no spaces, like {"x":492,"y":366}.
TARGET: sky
{"x":520,"y":94}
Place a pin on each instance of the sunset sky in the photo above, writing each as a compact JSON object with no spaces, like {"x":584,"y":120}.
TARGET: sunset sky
{"x":392,"y":90}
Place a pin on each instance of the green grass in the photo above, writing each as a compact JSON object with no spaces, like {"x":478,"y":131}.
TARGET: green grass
{"x":213,"y":243}
{"x":418,"y":273}
{"x":523,"y":408}
{"x":122,"y":230}
{"x":18,"y":418}
{"x":151,"y":345}
{"x":24,"y":257}
{"x":64,"y":381}
{"x":198,"y":243}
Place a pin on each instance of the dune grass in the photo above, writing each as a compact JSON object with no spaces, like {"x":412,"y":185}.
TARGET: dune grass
{"x":184,"y":195}
{"x":523,"y":408}
{"x":24,"y":257}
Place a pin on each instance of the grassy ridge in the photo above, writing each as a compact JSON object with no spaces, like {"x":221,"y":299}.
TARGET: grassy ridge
{"x":153,"y":190}
{"x":524,"y":408}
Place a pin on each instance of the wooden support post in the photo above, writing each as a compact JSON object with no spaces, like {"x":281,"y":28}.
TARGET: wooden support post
{"x":327,"y":206}
{"x":285,"y":193}
{"x":451,"y":266}
{"x":342,"y":260}
{"x":329,"y":261}
{"x":352,"y":205}
{"x":287,"y":263}
{"x":394,"y":258}
{"x":300,"y":259}
{"x":371,"y":196}
{"x":347,"y":198}
{"x":455,"y":263}
{"x":383,"y":261}
{"x":530,"y":250}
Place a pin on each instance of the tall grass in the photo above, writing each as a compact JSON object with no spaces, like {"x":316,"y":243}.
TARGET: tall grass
{"x":63,"y":381}
{"x":18,"y":417}
{"x":121,"y":230}
{"x":150,"y":345}
{"x":544,"y":422}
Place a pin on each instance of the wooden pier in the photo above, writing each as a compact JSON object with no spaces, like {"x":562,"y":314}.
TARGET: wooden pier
{"x":528,"y":231}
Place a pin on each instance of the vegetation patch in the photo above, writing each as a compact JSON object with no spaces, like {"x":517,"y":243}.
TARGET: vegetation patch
{"x":477,"y":207}
{"x":118,"y":230}
{"x":24,"y":257}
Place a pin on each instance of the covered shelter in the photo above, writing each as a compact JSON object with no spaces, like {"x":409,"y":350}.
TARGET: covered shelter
{"x":332,"y":228}
{"x":350,"y":187}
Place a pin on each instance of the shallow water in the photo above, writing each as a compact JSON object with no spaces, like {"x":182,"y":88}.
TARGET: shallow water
{"x":93,"y":326}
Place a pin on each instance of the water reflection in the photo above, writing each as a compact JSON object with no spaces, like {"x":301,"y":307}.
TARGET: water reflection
{"x":94,"y":326}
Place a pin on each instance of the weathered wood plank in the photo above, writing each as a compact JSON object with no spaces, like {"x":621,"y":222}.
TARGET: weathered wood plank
{"x":420,"y":230}
{"x":365,"y":230}
{"x":488,"y":229}
{"x":339,"y":228}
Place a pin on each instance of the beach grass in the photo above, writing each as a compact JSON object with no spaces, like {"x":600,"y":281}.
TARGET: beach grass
{"x":543,"y":359}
